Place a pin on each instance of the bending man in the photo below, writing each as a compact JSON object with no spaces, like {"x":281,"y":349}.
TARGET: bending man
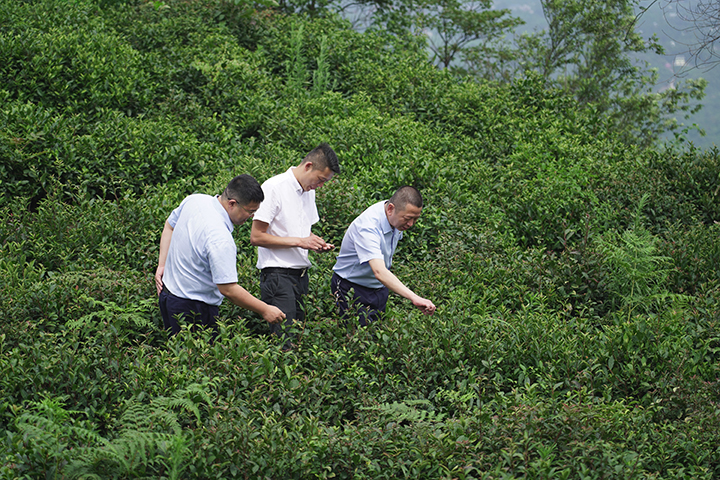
{"x":197,"y":268}
{"x":365,"y":258}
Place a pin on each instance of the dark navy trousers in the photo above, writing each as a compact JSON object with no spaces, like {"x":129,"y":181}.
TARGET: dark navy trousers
{"x":194,"y":312}
{"x":367,"y":303}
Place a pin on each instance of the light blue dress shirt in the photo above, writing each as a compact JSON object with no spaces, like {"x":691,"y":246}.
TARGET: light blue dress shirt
{"x":369,"y":236}
{"x":202,"y":250}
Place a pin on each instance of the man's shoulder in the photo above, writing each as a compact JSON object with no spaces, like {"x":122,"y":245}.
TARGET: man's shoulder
{"x":273,"y":180}
{"x":194,"y":201}
{"x":371,"y":217}
{"x":201,"y":197}
{"x":284,"y":188}
{"x":373,"y":212}
{"x":279,"y":179}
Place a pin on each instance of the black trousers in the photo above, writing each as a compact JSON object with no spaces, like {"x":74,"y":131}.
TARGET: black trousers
{"x":367,"y":303}
{"x":284,"y":288}
{"x":199,"y":314}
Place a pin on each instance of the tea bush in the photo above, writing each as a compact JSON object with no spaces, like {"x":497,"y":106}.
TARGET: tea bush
{"x":693,"y":177}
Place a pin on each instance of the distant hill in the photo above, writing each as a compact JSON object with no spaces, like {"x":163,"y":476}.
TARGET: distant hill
{"x":674,"y":66}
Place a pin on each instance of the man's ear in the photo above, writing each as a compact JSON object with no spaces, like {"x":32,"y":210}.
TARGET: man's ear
{"x":307,"y":166}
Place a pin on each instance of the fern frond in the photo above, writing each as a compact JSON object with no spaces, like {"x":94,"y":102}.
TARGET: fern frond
{"x":113,"y":313}
{"x":637,"y":272}
{"x":406,"y":413}
{"x":185,"y":404}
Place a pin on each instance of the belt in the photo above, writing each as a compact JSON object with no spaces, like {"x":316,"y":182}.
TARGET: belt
{"x":349,"y":283}
{"x":297,"y":272}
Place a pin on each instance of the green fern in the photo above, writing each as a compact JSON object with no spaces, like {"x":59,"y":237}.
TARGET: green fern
{"x":112,"y":313}
{"x":406,"y":413}
{"x":150,"y":439}
{"x":638,"y":273}
{"x":52,"y":436}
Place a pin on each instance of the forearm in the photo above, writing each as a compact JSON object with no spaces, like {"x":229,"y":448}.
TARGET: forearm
{"x":162,"y":257}
{"x":165,"y":239}
{"x":387,"y":278}
{"x":259,"y":237}
{"x":267,"y":240}
{"x":242,"y":298}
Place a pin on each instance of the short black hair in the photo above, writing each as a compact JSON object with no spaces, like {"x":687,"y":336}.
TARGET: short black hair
{"x":244,"y":189}
{"x":405,"y":195}
{"x":323,"y":157}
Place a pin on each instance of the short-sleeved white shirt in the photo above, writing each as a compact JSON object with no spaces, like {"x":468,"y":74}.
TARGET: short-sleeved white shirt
{"x":202,"y":250}
{"x":369,"y":236}
{"x":290,"y":212}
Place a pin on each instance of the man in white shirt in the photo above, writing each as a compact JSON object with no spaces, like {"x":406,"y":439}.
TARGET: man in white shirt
{"x":363,"y":264}
{"x":281,"y":230}
{"x":196,"y":266}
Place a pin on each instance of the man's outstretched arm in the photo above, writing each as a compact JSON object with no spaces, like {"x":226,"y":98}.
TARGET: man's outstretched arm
{"x":387,"y":278}
{"x":242,"y":298}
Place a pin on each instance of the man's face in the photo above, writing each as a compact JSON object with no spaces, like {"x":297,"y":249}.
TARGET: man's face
{"x":240,"y":213}
{"x":315,"y":178}
{"x":403,"y":219}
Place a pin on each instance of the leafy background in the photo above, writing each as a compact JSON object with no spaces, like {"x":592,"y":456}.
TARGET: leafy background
{"x":576,"y":275}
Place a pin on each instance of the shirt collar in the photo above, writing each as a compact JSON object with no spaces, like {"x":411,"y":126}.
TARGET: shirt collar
{"x":298,"y":188}
{"x":386,"y":227}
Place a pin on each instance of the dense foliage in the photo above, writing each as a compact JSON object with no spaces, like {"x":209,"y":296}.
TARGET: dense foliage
{"x":577,"y":279}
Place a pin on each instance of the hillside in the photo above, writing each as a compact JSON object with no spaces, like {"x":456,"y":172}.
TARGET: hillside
{"x":576,"y":278}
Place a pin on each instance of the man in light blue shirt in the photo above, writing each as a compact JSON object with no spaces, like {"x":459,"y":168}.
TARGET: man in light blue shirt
{"x":197,"y":262}
{"x":365,"y":257}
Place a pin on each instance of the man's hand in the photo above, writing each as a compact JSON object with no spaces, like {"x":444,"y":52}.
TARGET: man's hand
{"x":158,"y":278}
{"x":273,"y":314}
{"x":328,"y":247}
{"x":425,"y":305}
{"x":315,"y":243}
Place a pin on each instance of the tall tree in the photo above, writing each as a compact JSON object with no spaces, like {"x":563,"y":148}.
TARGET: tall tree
{"x":457,"y":27}
{"x":452,"y":27}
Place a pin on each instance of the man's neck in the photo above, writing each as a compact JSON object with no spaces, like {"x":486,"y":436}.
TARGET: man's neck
{"x":224,"y":202}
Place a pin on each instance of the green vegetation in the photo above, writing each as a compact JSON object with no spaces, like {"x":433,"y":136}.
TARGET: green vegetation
{"x":577,"y":277}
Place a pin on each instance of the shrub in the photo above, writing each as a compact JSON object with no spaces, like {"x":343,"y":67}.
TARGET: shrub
{"x":77,"y":68}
